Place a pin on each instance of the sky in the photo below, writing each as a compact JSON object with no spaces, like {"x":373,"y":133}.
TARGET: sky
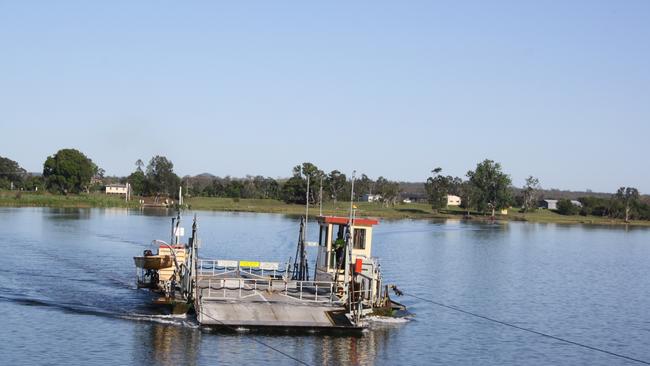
{"x":555,"y":89}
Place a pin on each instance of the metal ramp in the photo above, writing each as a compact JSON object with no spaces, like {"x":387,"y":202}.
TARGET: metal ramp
{"x":242,"y":297}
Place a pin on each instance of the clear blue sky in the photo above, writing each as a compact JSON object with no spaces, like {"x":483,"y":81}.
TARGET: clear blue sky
{"x":556,"y":89}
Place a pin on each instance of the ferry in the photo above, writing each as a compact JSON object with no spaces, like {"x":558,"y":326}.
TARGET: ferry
{"x":343,"y":290}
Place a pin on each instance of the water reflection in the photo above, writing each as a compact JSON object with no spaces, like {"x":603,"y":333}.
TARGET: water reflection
{"x":69,"y":214}
{"x":166,"y":345}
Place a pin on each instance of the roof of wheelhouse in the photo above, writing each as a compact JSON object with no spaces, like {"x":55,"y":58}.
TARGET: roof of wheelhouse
{"x":344,"y":220}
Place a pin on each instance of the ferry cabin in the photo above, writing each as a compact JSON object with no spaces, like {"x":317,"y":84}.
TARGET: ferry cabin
{"x":331,"y":256}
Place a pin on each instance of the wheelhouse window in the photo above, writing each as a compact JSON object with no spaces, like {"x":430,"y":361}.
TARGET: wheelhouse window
{"x":359,"y":239}
{"x":322,"y":236}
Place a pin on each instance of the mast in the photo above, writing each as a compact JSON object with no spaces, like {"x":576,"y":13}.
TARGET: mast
{"x":300,"y":270}
{"x":348,"y":243}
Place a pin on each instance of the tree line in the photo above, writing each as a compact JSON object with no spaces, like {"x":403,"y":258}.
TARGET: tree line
{"x":333,"y":186}
{"x":488,"y":189}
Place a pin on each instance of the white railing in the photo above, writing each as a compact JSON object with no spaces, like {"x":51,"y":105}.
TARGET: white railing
{"x":218,"y":267}
{"x":237,"y":288}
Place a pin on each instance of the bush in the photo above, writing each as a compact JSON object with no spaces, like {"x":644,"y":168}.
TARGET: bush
{"x":565,"y":207}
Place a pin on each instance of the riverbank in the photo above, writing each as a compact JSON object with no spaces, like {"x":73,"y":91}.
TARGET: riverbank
{"x":400,"y":211}
{"x":33,"y":199}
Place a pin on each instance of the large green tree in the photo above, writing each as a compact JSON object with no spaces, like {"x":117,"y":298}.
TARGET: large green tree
{"x":294,"y":190}
{"x":335,"y":183}
{"x":316,"y":176}
{"x":160,"y":177}
{"x":68,"y":171}
{"x":491,"y":186}
{"x":137,"y":180}
{"x":11,"y":172}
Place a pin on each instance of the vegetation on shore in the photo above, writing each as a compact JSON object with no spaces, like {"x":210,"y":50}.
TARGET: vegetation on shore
{"x":71,"y":179}
{"x":45,"y":199}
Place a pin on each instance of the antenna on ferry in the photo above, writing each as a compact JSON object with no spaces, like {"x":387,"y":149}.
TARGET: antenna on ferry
{"x":354,"y":172}
{"x":320,"y":197}
{"x":307,"y":205}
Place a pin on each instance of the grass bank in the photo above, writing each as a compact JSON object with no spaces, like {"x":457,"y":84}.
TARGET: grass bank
{"x":401,"y":211}
{"x":364,"y":209}
{"x":33,"y":199}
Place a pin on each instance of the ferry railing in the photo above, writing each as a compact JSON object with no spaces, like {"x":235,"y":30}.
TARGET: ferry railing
{"x":217,"y":267}
{"x":236,"y":288}
{"x":310,"y":290}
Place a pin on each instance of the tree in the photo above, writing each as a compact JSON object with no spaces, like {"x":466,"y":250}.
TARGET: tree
{"x":335,"y":183}
{"x":437,"y":188}
{"x":11,"y":172}
{"x":467,"y":194}
{"x":363,"y":185}
{"x":566,"y":207}
{"x":310,"y":170}
{"x":388,"y":190}
{"x":491,"y":186}
{"x":68,"y":170}
{"x":160,"y":177}
{"x":628,"y":197}
{"x":294,"y":190}
{"x":137,"y":180}
{"x":530,"y":193}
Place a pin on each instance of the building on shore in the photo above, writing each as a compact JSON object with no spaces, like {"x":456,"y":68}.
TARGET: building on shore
{"x":371,"y":198}
{"x":552,"y":204}
{"x":117,"y":189}
{"x":453,"y":200}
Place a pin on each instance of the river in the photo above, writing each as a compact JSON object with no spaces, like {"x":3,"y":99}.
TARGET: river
{"x":67,"y":293}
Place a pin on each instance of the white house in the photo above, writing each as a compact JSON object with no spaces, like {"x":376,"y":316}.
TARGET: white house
{"x":552,"y":204}
{"x":453,"y":200}
{"x":117,"y":189}
{"x":371,"y":198}
{"x":549,"y":204}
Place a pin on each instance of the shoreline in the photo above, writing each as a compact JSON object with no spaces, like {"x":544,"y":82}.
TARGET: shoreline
{"x":411,"y":211}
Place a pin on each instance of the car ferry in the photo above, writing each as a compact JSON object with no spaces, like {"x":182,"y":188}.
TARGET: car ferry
{"x":346,"y":285}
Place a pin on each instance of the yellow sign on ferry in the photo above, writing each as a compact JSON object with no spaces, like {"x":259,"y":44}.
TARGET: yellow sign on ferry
{"x":249,"y":264}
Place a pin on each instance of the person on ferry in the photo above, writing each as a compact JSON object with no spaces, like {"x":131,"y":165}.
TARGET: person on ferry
{"x":339,"y":244}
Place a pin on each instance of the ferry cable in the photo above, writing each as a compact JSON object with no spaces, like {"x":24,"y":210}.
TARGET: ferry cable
{"x":451,"y":307}
{"x":260,"y":342}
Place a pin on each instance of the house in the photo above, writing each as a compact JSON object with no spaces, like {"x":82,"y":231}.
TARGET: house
{"x":552,"y":204}
{"x":117,"y":189}
{"x":453,"y":200}
{"x":548,"y":204}
{"x":371,"y":198}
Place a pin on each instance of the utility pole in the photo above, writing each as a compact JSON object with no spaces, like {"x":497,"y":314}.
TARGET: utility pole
{"x":320,"y":198}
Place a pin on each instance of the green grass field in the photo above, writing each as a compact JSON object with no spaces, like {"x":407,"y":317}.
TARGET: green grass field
{"x":400,"y":211}
{"x":364,"y":209}
{"x":22,"y":199}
